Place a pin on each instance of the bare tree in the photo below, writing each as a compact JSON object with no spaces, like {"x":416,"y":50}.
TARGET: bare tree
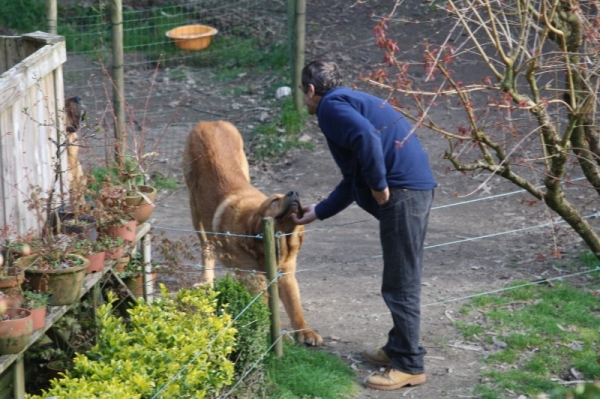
{"x":532,"y":116}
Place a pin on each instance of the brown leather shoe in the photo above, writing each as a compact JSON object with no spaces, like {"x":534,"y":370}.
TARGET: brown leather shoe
{"x":377,"y":357}
{"x":394,"y":379}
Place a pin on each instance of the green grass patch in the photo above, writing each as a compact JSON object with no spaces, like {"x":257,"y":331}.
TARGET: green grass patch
{"x":308,"y":373}
{"x":548,"y":329}
{"x":271,"y":141}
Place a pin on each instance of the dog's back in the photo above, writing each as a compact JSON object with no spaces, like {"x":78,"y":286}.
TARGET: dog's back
{"x":214,"y":166}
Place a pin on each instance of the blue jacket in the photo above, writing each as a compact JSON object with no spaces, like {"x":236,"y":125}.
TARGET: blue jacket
{"x":370,"y":143}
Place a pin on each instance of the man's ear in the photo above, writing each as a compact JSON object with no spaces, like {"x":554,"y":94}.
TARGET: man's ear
{"x":311,"y":90}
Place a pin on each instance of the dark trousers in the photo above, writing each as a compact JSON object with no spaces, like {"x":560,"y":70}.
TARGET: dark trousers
{"x":402,"y":225}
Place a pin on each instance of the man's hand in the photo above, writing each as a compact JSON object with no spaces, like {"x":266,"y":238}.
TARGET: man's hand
{"x":381,"y":196}
{"x":309,"y":215}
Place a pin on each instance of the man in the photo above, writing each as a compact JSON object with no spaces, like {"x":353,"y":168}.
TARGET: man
{"x":386,"y":171}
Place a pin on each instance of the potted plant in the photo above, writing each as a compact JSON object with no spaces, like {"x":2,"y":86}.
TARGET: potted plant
{"x":114,"y":247}
{"x":12,"y":277}
{"x":55,"y":266}
{"x":37,"y":302}
{"x":16,"y":326}
{"x":113,"y":215}
{"x":133,"y":274}
{"x":95,"y":252}
{"x":129,"y":176}
{"x":76,"y":214}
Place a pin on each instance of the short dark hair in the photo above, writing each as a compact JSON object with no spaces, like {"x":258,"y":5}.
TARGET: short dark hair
{"x":323,"y":75}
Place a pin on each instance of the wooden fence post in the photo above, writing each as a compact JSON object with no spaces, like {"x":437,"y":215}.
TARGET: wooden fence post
{"x":116,"y":20}
{"x":51,"y":16}
{"x":148,"y":281}
{"x":271,"y":266}
{"x":299,"y":46}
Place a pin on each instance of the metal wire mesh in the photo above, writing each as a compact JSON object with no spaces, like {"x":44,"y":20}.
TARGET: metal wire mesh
{"x":159,"y":76}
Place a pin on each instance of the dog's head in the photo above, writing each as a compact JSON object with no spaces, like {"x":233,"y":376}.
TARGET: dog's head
{"x":74,"y":113}
{"x":280,"y":207}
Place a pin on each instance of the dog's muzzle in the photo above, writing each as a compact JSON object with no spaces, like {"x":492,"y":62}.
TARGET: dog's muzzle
{"x":292,"y":205}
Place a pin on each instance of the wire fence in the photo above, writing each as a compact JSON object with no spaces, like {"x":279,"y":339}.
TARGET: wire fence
{"x":165,"y":86}
{"x":351,"y":320}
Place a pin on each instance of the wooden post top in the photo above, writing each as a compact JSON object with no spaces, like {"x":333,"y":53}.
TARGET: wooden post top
{"x":43,"y":37}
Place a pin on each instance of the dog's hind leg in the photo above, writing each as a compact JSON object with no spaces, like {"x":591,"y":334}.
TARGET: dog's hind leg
{"x":207,"y":275}
{"x":208,"y":261}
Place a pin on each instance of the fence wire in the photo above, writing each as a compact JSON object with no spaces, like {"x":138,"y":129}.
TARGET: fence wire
{"x":182,"y":93}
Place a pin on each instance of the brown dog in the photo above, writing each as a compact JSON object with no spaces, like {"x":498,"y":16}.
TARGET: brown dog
{"x":74,"y":114}
{"x":222,"y":199}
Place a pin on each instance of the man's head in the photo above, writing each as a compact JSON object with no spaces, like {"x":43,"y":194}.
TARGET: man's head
{"x":323,"y":75}
{"x":317,"y":77}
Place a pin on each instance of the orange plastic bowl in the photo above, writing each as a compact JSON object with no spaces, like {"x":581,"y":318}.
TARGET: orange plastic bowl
{"x":192,"y":37}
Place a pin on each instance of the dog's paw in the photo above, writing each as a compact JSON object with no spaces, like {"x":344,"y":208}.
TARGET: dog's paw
{"x":309,"y":337}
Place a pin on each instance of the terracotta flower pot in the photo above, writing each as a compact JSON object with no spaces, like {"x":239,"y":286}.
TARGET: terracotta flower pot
{"x":96,"y":262}
{"x":136,"y":284}
{"x":139,"y":206}
{"x":121,"y":263}
{"x":10,"y":284}
{"x":126,"y":231}
{"x":57,"y":367}
{"x":39,"y":317}
{"x":15,"y":332}
{"x":115,"y":253}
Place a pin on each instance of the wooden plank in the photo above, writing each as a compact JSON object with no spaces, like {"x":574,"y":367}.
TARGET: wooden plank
{"x":43,"y":37}
{"x":9,"y":149}
{"x":5,"y":129}
{"x":12,"y":53}
{"x":12,"y":87}
{"x":3,"y":62}
{"x":26,"y":73}
{"x":147,"y":277}
{"x":6,"y":383}
{"x":19,"y":378}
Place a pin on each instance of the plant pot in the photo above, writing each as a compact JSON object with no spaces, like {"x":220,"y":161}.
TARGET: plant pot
{"x":139,"y":206}
{"x":84,"y":228}
{"x":10,"y":284}
{"x":15,"y":333}
{"x":57,"y":367}
{"x":115,"y":253}
{"x":96,"y":262}
{"x":64,"y":284}
{"x":121,"y":263}
{"x":38,"y":316}
{"x":126,"y":231}
{"x":136,"y":284}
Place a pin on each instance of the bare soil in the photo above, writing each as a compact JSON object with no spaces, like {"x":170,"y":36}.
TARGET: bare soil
{"x":339,"y":268}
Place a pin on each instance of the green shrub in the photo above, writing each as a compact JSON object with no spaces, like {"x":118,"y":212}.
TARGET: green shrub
{"x":253,"y":325}
{"x":178,"y":347}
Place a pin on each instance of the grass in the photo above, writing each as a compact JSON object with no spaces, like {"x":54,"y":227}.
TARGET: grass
{"x":308,"y":373}
{"x":549,"y":331}
{"x":272,"y":140}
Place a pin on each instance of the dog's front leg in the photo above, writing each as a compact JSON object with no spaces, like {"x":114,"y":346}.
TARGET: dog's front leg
{"x":208,"y":262}
{"x":289,"y":293}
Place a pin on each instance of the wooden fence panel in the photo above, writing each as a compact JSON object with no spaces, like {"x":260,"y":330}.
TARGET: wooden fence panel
{"x":31,"y":103}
